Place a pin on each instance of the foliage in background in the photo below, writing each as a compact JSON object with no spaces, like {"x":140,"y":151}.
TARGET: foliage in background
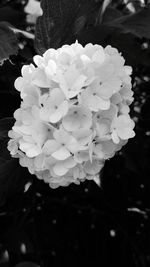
{"x":111,"y":224}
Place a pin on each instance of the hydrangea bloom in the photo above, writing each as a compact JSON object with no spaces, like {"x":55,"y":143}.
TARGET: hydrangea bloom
{"x":74,"y":113}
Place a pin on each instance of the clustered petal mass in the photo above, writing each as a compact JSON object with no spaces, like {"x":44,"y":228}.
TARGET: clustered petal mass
{"x":74,"y":113}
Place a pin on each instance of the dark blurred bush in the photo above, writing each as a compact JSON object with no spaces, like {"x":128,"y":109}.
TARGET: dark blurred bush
{"x":79,"y":225}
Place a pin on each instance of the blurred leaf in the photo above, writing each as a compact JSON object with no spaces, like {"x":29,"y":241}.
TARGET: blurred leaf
{"x":61,"y":19}
{"x":12,"y":15}
{"x":4,"y":264}
{"x":95,"y":35}
{"x":11,"y":179}
{"x":111,"y":14}
{"x":5,"y":125}
{"x":79,"y":24}
{"x":8,"y":42}
{"x":125,"y":43}
{"x":130,"y":163}
{"x":137,"y":23}
{"x":12,"y":176}
{"x":27,"y":264}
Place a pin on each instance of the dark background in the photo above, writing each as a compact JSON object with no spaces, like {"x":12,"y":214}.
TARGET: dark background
{"x":79,"y":225}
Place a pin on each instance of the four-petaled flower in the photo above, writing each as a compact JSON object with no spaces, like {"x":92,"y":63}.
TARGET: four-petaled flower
{"x":62,"y":146}
{"x":78,"y":117}
{"x":54,"y":106}
{"x":122,"y":128}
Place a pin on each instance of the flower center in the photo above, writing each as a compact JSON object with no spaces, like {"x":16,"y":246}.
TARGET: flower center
{"x":63,"y":144}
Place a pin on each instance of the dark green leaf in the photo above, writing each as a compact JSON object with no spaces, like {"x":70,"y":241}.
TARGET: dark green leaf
{"x":95,"y":35}
{"x":8,"y":42}
{"x":125,"y":43}
{"x":62,"y":19}
{"x":12,"y":176}
{"x":137,"y":23}
{"x":111,"y":14}
{"x":5,"y":125}
{"x":12,"y":15}
{"x":79,"y":24}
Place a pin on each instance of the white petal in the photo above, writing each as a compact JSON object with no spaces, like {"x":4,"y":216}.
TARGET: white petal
{"x":50,"y":146}
{"x":83,"y":136}
{"x":70,"y":124}
{"x":55,"y":117}
{"x":63,"y":108}
{"x":81,"y":156}
{"x":79,"y":83}
{"x":40,"y":79}
{"x":50,"y":70}
{"x":63,"y":84}
{"x":57,"y":96}
{"x":61,"y":136}
{"x":73,"y":145}
{"x":19,"y":83}
{"x":59,"y":169}
{"x":115,"y":137}
{"x":93,"y":167}
{"x":22,"y":129}
{"x":99,"y":56}
{"x":126,"y":133}
{"x":100,"y":104}
{"x":61,"y":154}
{"x":38,"y":60}
{"x":97,"y":180}
{"x":44,"y":114}
{"x":69,"y":163}
{"x":33,"y":152}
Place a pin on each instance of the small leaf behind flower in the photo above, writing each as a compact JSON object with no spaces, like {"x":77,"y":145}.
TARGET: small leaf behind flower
{"x":5,"y":125}
{"x":60,"y":20}
{"x":12,"y":176}
{"x":110,"y":15}
{"x":9,"y":40}
{"x":137,"y":23}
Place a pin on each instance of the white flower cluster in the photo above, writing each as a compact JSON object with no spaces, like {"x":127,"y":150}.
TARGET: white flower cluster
{"x":74,"y":113}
